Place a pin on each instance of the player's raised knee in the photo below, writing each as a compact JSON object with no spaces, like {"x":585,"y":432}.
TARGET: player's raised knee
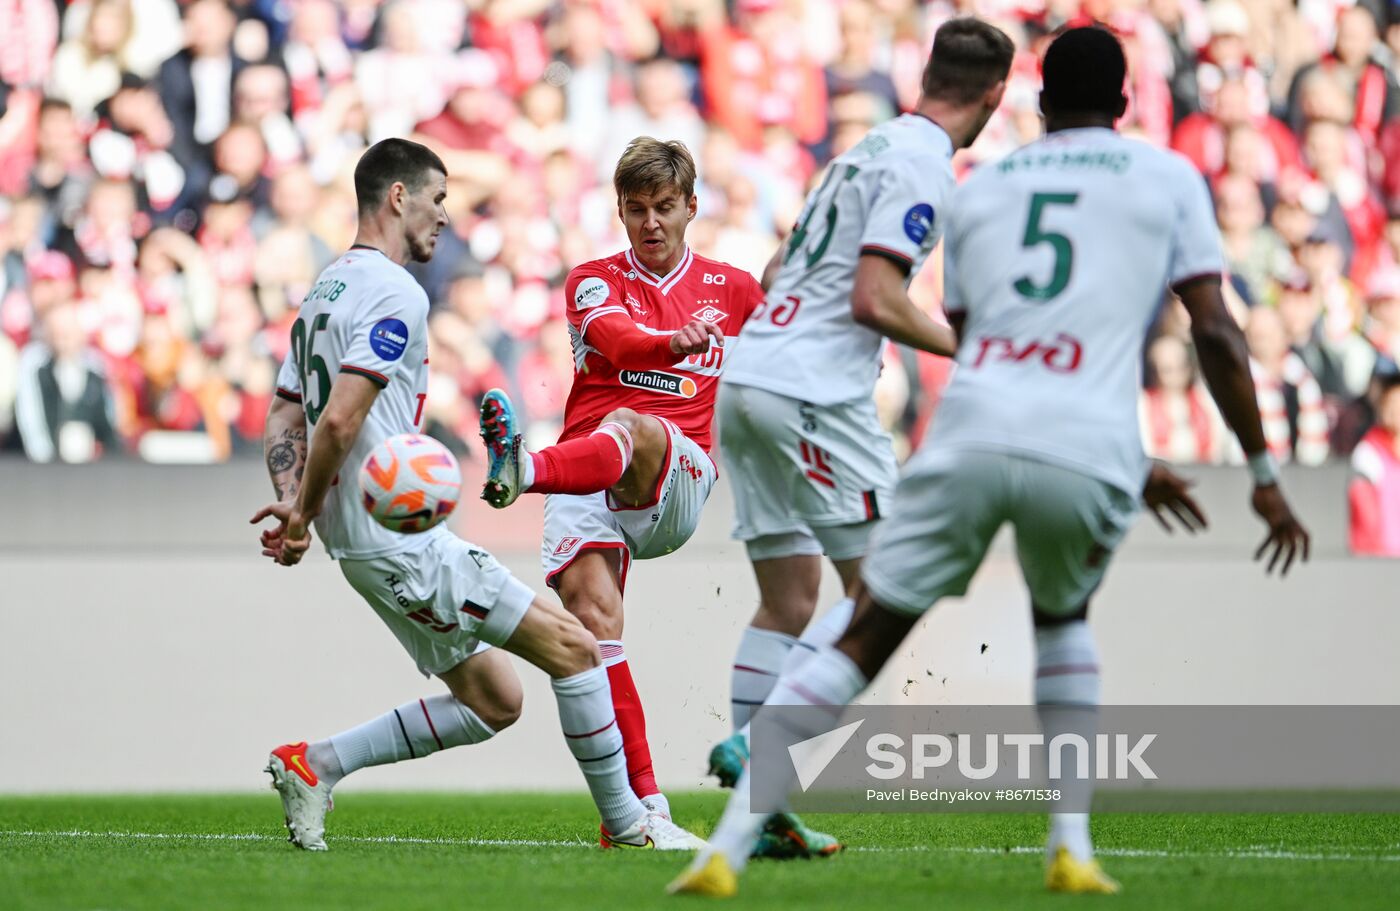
{"x":627,"y":418}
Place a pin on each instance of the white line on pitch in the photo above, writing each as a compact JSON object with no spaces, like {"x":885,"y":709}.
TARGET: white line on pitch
{"x":1257,"y":852}
{"x":258,"y":836}
{"x":1253,"y":853}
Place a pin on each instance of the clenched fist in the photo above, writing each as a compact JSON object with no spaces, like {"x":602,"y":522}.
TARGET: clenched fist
{"x":694,"y":337}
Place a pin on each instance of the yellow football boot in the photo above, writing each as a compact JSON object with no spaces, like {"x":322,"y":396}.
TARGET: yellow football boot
{"x":713,"y":878}
{"x":1067,"y":873}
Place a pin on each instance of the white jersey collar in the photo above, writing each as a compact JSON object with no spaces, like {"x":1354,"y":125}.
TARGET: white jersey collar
{"x":664,"y":284}
{"x":1080,"y":133}
{"x":924,"y":122}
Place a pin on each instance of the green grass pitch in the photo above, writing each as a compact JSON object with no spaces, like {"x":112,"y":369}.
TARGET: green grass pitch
{"x":524,"y":851}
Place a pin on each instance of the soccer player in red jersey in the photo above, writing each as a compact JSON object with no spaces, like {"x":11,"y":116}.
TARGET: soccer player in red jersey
{"x":632,"y":470}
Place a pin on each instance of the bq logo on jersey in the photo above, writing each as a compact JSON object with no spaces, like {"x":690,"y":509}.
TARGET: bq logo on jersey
{"x":657,"y":381}
{"x":388,"y":339}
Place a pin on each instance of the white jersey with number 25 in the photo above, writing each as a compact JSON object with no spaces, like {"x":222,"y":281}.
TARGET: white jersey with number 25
{"x":367,"y":316}
{"x":1059,"y":256}
{"x":886,"y":197}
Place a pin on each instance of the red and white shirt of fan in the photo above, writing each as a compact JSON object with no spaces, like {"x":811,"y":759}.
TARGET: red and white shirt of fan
{"x":621,"y":317}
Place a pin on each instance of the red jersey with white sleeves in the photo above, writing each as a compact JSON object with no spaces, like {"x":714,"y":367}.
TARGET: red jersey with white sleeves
{"x":621,"y":319}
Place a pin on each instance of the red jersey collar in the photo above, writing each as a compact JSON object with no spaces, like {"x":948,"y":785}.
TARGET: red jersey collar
{"x":651,"y":278}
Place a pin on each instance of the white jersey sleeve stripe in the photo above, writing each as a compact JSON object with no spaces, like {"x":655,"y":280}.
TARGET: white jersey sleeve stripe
{"x":588,"y":320}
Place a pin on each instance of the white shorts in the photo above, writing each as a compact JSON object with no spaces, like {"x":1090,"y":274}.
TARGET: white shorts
{"x":951,"y":503}
{"x":444,"y":603}
{"x":800,"y":469}
{"x":575,"y":524}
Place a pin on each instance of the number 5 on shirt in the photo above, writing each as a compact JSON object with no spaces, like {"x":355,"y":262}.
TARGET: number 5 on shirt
{"x":1064,"y":250}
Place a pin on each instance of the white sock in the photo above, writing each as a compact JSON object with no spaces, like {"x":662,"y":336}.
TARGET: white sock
{"x":1067,"y":675}
{"x":826,"y":631}
{"x":828,"y":679}
{"x":590,"y":728}
{"x":657,"y":803}
{"x":410,"y":731}
{"x":527,"y":470}
{"x":757,"y":665}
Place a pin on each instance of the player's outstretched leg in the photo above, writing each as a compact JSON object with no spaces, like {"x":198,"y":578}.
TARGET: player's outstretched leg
{"x":1067,"y":687}
{"x":830,"y":678}
{"x":761,"y":660}
{"x":591,"y":592}
{"x":557,"y":643}
{"x":487,"y":701}
{"x":579,"y":466}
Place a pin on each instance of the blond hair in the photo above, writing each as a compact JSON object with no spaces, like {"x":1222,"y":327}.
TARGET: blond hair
{"x":650,"y":165}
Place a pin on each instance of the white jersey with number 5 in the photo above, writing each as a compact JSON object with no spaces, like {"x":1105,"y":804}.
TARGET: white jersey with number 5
{"x":1059,"y":255}
{"x":886,"y":197}
{"x":367,"y":316}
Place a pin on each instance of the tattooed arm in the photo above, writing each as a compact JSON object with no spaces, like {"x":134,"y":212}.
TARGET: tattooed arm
{"x":303,"y":475}
{"x":284,"y":450}
{"x":284,"y":447}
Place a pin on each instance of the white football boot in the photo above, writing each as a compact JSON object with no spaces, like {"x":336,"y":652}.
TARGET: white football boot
{"x":306,"y":799}
{"x":652,"y":830}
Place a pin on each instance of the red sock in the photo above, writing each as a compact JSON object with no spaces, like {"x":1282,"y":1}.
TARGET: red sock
{"x":585,"y":465}
{"x":631,"y":722}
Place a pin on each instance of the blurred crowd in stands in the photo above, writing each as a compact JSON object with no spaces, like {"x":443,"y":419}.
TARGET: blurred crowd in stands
{"x":173,"y":175}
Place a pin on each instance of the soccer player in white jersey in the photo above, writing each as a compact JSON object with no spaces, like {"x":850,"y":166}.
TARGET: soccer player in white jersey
{"x":357,"y":374}
{"x":1057,"y":259}
{"x":811,"y":466}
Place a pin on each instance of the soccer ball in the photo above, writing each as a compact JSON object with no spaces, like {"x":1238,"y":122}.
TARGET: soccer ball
{"x":410,"y":483}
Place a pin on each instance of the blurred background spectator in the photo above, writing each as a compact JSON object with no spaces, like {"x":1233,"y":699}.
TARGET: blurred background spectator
{"x":1374,"y":493}
{"x":63,"y":403}
{"x":174,"y":173}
